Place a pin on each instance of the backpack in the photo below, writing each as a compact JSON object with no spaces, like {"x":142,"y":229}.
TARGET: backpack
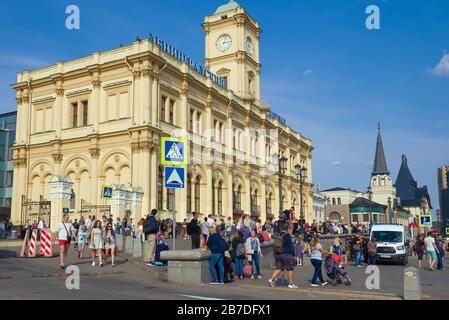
{"x":192,"y":228}
{"x":240,"y":251}
{"x":150,"y":226}
{"x":260,"y":237}
{"x":278,"y":247}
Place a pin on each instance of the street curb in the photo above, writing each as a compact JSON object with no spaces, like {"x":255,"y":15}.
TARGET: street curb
{"x":161,"y":275}
{"x":360,"y":295}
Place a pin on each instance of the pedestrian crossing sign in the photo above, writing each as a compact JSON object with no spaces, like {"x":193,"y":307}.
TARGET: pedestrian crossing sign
{"x":107,"y":192}
{"x":425,"y":221}
{"x":174,"y":152}
{"x":174,"y":177}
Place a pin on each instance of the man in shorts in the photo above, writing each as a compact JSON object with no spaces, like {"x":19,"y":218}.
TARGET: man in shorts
{"x":285,"y":260}
{"x":65,"y":234}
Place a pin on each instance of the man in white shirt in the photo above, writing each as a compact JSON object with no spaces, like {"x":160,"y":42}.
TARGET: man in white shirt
{"x":65,"y":234}
{"x":431,"y":250}
{"x":41,"y":224}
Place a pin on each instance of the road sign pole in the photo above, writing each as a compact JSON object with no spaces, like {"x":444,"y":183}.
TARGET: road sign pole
{"x":174,"y":219}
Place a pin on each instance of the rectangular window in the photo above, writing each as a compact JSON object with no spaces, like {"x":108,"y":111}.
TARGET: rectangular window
{"x":112,"y":107}
{"x":40,"y":120}
{"x":162,"y":115}
{"x":85,"y":112}
{"x":172,"y":112}
{"x":48,"y":119}
{"x":366,"y":218}
{"x":339,"y":201}
{"x":355,"y":218}
{"x":192,"y":114}
{"x":333,"y":201}
{"x":75,"y":114}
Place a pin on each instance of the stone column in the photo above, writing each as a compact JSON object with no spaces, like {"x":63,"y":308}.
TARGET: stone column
{"x":155,"y":98}
{"x":59,"y":103}
{"x":60,"y":193}
{"x":154,"y":168}
{"x":95,"y":154}
{"x":146,"y":95}
{"x":263,"y":197}
{"x":229,"y":193}
{"x":145,"y":173}
{"x":246,"y":197}
{"x":208,"y":190}
{"x":20,"y":188}
{"x":137,"y":101}
{"x":94,"y":109}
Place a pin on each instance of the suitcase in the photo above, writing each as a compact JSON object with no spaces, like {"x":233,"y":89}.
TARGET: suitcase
{"x":248,"y":270}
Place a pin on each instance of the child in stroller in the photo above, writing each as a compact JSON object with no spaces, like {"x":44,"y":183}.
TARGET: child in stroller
{"x":334,"y":272}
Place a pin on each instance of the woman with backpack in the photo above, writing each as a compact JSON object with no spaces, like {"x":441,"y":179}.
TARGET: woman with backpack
{"x":254,"y":253}
{"x":238,"y":254}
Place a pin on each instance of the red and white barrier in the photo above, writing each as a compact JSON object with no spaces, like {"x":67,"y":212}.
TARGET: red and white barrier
{"x":33,"y":241}
{"x":46,"y":245}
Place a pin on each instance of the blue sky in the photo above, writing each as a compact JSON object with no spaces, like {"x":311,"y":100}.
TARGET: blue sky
{"x":322,"y":69}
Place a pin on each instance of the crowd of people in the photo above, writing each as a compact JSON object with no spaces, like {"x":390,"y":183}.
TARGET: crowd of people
{"x":236,"y":247}
{"x":6,"y":228}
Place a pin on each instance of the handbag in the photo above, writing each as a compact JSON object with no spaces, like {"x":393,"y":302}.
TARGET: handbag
{"x":69,"y":237}
{"x":249,"y":252}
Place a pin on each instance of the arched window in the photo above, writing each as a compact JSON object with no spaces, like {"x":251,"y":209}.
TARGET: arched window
{"x":220,"y":198}
{"x":268,"y":203}
{"x":237,"y":198}
{"x":197,"y":194}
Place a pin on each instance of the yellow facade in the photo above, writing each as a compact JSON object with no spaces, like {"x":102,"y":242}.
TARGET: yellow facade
{"x":99,"y":120}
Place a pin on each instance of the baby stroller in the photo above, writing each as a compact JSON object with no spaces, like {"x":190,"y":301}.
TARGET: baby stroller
{"x":335,"y":272}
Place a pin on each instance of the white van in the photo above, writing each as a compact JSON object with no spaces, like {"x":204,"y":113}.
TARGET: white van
{"x":392,"y":243}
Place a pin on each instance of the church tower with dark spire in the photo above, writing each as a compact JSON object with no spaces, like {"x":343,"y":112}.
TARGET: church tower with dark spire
{"x":382,"y":187}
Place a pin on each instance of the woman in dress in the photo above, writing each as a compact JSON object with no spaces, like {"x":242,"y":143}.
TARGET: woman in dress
{"x":96,"y":242}
{"x":109,"y":236}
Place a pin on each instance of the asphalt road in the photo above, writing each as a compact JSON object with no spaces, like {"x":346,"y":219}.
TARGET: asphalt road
{"x":41,"y":278}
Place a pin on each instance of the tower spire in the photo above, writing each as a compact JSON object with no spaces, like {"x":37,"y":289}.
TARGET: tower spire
{"x":380,"y":164}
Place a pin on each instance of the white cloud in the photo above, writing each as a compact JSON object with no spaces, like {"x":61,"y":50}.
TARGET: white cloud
{"x":442,"y":68}
{"x":308,"y":72}
{"x":336,"y":163}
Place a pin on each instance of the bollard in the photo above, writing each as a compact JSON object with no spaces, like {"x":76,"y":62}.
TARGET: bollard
{"x":412,"y":284}
{"x":137,"y":249}
{"x":119,"y":243}
{"x":129,"y":245}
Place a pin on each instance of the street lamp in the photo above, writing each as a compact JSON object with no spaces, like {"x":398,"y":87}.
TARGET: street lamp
{"x":281,"y":172}
{"x":301,"y":174}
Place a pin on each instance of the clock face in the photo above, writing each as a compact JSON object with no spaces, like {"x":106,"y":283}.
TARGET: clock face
{"x":224,"y":42}
{"x":249,"y":45}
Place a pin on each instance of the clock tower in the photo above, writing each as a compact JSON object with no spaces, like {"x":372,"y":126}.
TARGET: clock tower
{"x":232,"y":49}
